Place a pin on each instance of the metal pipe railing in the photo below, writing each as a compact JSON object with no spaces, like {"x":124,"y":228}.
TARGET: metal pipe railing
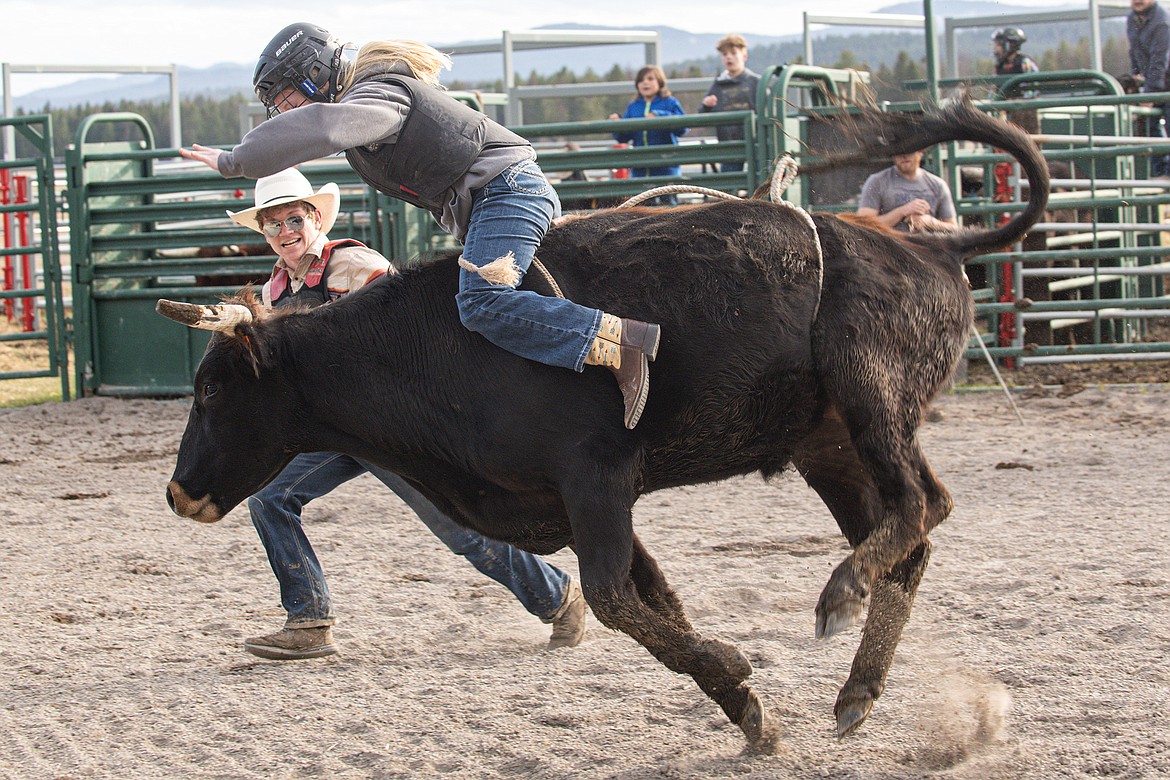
{"x":1160,"y":269}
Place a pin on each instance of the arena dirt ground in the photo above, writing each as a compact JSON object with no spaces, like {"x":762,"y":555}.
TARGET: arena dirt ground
{"x":1038,"y":647}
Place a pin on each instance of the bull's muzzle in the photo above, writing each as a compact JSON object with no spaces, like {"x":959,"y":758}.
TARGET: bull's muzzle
{"x":202,"y":510}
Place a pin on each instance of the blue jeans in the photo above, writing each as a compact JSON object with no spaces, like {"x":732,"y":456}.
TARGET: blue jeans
{"x":511,"y":213}
{"x":276,"y":513}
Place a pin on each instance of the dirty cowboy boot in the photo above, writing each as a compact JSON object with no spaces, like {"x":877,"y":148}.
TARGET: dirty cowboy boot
{"x":292,"y":644}
{"x":569,"y":622}
{"x":625,"y":347}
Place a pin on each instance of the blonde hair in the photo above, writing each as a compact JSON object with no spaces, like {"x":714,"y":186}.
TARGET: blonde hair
{"x":731,"y":41}
{"x":424,"y":61}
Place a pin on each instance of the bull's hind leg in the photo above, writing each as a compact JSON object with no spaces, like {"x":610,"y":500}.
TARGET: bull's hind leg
{"x":830,"y":465}
{"x":889,"y":609}
{"x":627,"y":592}
{"x":910,"y":501}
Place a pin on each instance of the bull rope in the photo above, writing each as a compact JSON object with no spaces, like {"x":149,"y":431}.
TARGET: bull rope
{"x":670,"y":189}
{"x":784,"y":175}
{"x":548,"y":277}
{"x":778,"y":186}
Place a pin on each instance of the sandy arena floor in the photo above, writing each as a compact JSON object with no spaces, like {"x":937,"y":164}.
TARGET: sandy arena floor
{"x":1038,"y":648}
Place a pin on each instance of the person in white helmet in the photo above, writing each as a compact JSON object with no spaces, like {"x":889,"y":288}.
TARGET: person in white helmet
{"x":384,"y":107}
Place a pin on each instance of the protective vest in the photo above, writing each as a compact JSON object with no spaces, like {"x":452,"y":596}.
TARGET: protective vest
{"x":313,"y":292}
{"x":1018,"y":63}
{"x":437,"y":145}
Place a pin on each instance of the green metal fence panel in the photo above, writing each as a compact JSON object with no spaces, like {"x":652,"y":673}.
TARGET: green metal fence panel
{"x":787,"y":97}
{"x":1084,"y":122}
{"x":137,"y":355}
{"x":133,"y":215}
{"x":1100,"y":242}
{"x":1103,"y":234}
{"x":29,"y":211}
{"x":700,"y":159}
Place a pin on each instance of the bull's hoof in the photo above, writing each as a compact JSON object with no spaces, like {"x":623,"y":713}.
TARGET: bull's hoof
{"x":841,"y":604}
{"x":851,"y":714}
{"x":761,"y":727}
{"x":730,"y":659}
{"x":835,"y":621}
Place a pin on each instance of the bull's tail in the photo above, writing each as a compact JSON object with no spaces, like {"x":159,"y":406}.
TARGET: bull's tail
{"x":886,"y":134}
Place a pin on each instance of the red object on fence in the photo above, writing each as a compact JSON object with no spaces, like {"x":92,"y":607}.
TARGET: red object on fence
{"x":621,"y":173}
{"x":9,"y":306}
{"x":1007,"y":322}
{"x":27,"y":305}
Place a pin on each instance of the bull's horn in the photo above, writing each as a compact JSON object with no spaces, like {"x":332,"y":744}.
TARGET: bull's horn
{"x":223,"y":316}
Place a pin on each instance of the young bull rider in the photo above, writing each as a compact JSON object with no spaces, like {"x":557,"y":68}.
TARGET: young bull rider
{"x":311,"y":271}
{"x":384,"y":107}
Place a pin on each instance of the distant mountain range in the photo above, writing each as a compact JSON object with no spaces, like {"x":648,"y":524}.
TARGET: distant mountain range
{"x":677,"y":48}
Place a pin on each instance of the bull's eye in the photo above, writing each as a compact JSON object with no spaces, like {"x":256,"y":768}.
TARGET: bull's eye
{"x":210,"y":389}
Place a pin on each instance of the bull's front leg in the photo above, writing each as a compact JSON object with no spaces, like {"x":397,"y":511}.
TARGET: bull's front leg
{"x":627,"y":592}
{"x":731,"y":667}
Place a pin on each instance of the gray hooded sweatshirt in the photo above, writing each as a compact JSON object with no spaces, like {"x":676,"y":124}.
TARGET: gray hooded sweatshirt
{"x":369,"y":113}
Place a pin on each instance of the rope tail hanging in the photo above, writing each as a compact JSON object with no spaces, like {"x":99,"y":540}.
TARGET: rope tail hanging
{"x":785,"y":174}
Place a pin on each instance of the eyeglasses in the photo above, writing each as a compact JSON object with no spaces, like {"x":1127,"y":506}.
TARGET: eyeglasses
{"x":272,"y":229}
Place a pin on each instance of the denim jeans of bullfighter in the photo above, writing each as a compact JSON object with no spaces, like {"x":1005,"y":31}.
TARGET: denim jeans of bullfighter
{"x":276,"y":514}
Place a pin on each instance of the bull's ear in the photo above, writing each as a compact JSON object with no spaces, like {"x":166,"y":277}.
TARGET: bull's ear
{"x":245,"y":335}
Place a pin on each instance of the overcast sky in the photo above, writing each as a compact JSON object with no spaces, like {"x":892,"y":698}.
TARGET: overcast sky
{"x":200,"y":33}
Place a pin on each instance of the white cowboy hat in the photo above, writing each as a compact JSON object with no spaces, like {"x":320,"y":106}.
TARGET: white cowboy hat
{"x":289,"y":186}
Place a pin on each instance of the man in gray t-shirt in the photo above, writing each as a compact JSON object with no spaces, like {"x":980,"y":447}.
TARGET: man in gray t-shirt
{"x":907,"y":198}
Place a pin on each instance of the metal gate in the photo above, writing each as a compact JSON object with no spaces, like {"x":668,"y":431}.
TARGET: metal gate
{"x":132,"y":207}
{"x":31,"y":293}
{"x":139,"y":218}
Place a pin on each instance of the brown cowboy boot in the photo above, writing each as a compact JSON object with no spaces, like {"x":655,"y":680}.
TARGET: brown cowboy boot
{"x":625,"y":347}
{"x":569,"y":621}
{"x":293,"y":644}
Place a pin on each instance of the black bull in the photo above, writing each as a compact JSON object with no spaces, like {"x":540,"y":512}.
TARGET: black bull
{"x":782,"y":346}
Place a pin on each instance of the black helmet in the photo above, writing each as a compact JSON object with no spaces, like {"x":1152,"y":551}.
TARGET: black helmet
{"x":1012,"y":38}
{"x":306,"y":58}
